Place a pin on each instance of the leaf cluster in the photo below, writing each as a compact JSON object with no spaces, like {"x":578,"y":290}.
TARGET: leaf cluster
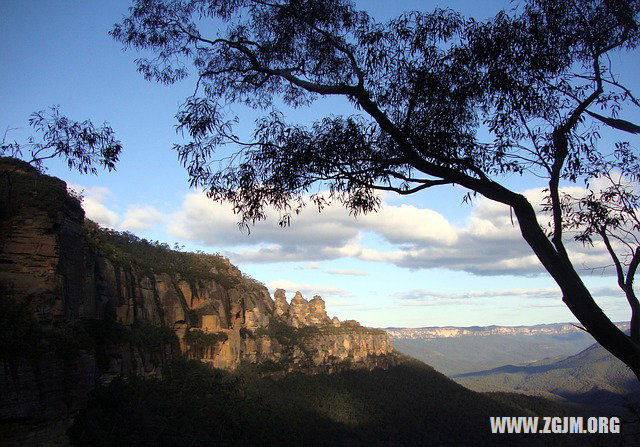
{"x":200,"y":342}
{"x":80,"y":143}
{"x":610,"y":207}
{"x":427,"y":83}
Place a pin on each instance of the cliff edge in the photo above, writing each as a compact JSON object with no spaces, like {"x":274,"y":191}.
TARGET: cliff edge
{"x":81,"y":304}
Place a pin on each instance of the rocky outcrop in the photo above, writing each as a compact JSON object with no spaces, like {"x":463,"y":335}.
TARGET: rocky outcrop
{"x":304,"y":338}
{"x":301,"y":312}
{"x":81,"y":305}
{"x":281,"y":306}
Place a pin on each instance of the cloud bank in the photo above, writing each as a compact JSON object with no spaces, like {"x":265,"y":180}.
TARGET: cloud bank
{"x":426,"y":297}
{"x":136,"y":218}
{"x":489,"y":242}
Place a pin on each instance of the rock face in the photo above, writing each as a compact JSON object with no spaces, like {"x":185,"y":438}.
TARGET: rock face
{"x":80,"y":305}
{"x":301,"y":312}
{"x":305,"y":338}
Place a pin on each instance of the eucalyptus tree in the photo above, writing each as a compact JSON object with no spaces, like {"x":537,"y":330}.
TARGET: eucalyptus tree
{"x":81,"y":144}
{"x":540,"y":80}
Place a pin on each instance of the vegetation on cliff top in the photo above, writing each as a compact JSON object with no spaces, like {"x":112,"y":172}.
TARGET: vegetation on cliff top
{"x":128,"y":250}
{"x":23,"y":186}
{"x":288,"y":335}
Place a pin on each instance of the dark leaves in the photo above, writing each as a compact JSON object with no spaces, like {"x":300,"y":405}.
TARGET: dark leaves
{"x":430,"y":85}
{"x":81,"y":144}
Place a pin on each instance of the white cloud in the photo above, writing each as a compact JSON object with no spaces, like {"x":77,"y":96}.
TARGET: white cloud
{"x":341,"y":303}
{"x":346,"y":272}
{"x":213,"y":223}
{"x":94,"y":207}
{"x":489,"y":242}
{"x":425,"y":294}
{"x":98,"y":193}
{"x":99,"y":213}
{"x":406,"y":224}
{"x":140,"y":218}
{"x":94,"y":203}
{"x":608,"y":291}
{"x":426,"y":297}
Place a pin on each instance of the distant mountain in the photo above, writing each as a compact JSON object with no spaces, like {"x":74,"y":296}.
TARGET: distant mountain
{"x":458,"y":350}
{"x":593,"y":376}
{"x":485,"y":331}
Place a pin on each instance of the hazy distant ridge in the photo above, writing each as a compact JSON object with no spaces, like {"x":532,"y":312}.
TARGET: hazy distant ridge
{"x":480,"y":331}
{"x":592,"y":376}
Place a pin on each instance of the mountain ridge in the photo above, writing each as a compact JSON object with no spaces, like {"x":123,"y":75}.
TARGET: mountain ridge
{"x":460,"y":331}
{"x":592,"y":376}
{"x":456,"y":350}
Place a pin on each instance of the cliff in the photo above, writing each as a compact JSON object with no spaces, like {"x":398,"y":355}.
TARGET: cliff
{"x":81,"y":305}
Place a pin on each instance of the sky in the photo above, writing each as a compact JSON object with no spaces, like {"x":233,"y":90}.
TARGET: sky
{"x":423,"y":260}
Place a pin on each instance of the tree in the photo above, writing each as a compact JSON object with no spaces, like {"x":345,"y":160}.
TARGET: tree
{"x":81,"y":144}
{"x":610,"y":213}
{"x":425,"y":87}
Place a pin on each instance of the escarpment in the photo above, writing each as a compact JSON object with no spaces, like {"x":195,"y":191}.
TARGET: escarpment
{"x":303,"y":337}
{"x":80,"y":305}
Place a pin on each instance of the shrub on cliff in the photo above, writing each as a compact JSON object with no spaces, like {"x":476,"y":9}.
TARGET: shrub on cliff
{"x":128,"y":250}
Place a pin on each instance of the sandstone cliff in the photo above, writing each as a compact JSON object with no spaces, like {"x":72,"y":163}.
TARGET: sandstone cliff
{"x":302,"y":337}
{"x":81,"y":304}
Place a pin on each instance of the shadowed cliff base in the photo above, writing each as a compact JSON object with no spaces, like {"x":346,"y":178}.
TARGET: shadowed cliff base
{"x":407,"y":405}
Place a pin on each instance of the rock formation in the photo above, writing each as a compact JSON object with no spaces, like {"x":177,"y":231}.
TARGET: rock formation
{"x":315,"y":343}
{"x":301,"y":312}
{"x":86,"y":304}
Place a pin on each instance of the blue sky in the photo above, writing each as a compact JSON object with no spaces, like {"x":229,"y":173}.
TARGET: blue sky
{"x":425,"y":260}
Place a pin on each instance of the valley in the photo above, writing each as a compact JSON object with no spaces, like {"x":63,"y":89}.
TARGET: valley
{"x":555,"y":361}
{"x":459,"y":350}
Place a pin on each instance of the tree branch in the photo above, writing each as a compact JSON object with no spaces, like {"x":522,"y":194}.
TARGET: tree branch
{"x":614,"y":257}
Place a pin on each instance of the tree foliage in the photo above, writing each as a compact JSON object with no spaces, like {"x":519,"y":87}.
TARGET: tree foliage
{"x":193,"y":405}
{"x":426,"y":88}
{"x":81,"y":144}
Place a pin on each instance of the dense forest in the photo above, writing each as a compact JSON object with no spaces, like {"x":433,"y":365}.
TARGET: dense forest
{"x":409,"y":404}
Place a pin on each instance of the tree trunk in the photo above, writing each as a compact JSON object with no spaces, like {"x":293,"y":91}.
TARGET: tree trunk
{"x":574,"y":293}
